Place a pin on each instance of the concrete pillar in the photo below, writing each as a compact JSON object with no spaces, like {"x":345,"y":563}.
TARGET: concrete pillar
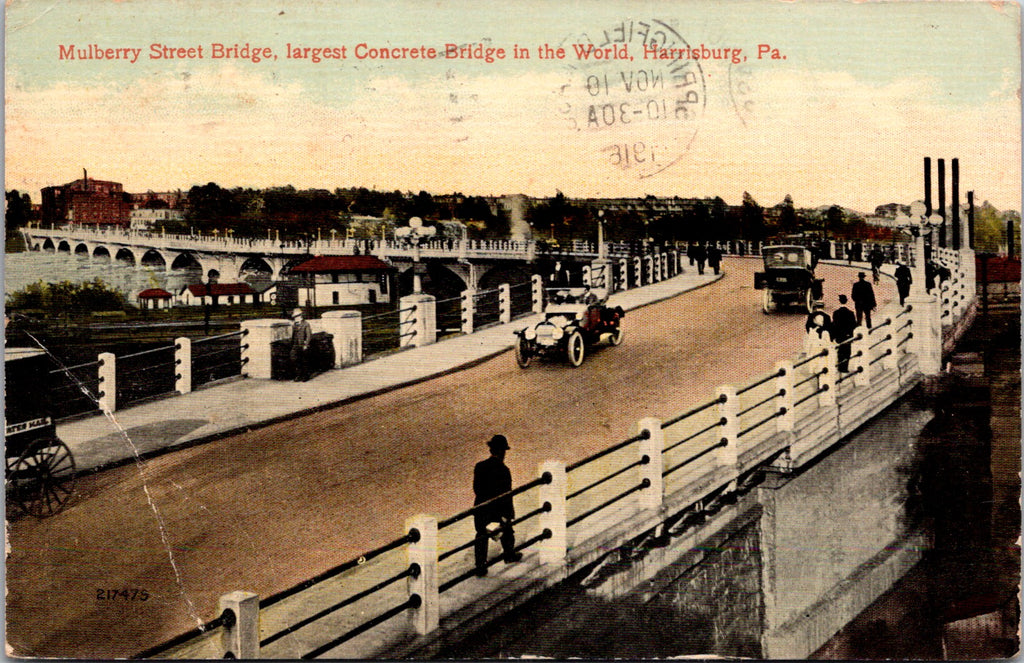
{"x":664,"y":266}
{"x":241,"y":639}
{"x":417,"y":321}
{"x":638,"y":269}
{"x":829,"y":364}
{"x":653,"y":447}
{"x":505,"y":303}
{"x":785,"y":383}
{"x":586,"y":275}
{"x":423,"y":552}
{"x":537,"y":293}
{"x":468,"y":310}
{"x":649,"y":276}
{"x":183,"y":365}
{"x":888,"y":347}
{"x":347,"y":329}
{"x":108,"y":382}
{"x":728,"y":410}
{"x":554,"y":550}
{"x":601,"y":273}
{"x":859,"y":364}
{"x":623,"y":283}
{"x":927,"y":331}
{"x":261,"y":333}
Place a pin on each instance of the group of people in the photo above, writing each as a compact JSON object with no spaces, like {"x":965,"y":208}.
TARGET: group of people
{"x":843,"y":322}
{"x":699,"y":254}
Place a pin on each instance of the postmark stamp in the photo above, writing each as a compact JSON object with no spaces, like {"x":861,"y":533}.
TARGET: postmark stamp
{"x":635,"y":93}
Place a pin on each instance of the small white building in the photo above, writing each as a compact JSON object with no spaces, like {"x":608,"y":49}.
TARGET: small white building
{"x":155,"y":298}
{"x":343,"y":280}
{"x":146,"y":219}
{"x":226,"y":294}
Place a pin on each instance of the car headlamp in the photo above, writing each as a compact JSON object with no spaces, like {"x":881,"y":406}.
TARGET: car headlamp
{"x":557,"y":333}
{"x":530,"y":334}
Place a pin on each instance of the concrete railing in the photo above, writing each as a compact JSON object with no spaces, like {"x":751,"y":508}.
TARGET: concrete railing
{"x":390,"y":603}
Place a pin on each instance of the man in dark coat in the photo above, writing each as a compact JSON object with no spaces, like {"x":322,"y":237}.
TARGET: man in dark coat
{"x":302,"y":336}
{"x":491,"y":478}
{"x":844,"y":323}
{"x":700,"y":254}
{"x":714,"y":257}
{"x":818,"y":321}
{"x":863,"y":296}
{"x":903,"y":281}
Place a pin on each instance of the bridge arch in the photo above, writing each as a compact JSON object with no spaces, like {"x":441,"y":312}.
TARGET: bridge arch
{"x":125,"y":255}
{"x":48,"y":245}
{"x":153,"y":258}
{"x":510,"y":273}
{"x":255,"y":266}
{"x":64,"y":246}
{"x":82,"y":249}
{"x":101,"y":252}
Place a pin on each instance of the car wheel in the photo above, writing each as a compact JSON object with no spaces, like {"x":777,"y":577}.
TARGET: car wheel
{"x":617,"y":335}
{"x":767,"y":302}
{"x":575,"y":348}
{"x":523,"y":355}
{"x":809,"y":301}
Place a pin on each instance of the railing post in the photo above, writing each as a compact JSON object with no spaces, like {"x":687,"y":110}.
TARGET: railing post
{"x":417,"y":326}
{"x":183,"y":365}
{"x":653,"y":448}
{"x":586,"y":275}
{"x":829,"y":380}
{"x":555,"y":549}
{"x":889,"y":348}
{"x":108,"y":382}
{"x":859,"y":358}
{"x":649,"y":269}
{"x":240,"y":636}
{"x":346,"y":330}
{"x":423,"y":552}
{"x":256,"y":359}
{"x":663,"y":262}
{"x":505,"y":303}
{"x":927,"y":330}
{"x":537,"y":293}
{"x":728,"y":410}
{"x":623,"y":274}
{"x":785,"y":382}
{"x":468,"y":310}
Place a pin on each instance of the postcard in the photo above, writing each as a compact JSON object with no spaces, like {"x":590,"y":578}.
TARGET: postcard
{"x":477,"y":330}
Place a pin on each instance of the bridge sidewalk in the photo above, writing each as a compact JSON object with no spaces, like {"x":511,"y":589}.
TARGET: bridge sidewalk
{"x":158,"y":426}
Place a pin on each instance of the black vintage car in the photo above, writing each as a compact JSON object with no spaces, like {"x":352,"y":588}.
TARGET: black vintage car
{"x":40,"y":475}
{"x":788,"y":278}
{"x":574,"y":319}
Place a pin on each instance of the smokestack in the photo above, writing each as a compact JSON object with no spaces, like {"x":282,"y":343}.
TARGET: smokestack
{"x":955,"y":202}
{"x":1009,"y":239}
{"x":928,"y":186}
{"x":970,"y":219}
{"x":942,"y":202}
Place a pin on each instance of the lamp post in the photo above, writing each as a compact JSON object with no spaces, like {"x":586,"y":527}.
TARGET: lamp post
{"x":919,"y":225}
{"x":416,"y":233}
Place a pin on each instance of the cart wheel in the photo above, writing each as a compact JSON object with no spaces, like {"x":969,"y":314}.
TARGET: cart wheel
{"x":617,"y":335}
{"x":523,"y":356}
{"x":575,"y":349}
{"x":40,"y":481}
{"x":767,"y":302}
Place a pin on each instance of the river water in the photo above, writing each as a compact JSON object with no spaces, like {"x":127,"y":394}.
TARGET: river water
{"x":22,"y":269}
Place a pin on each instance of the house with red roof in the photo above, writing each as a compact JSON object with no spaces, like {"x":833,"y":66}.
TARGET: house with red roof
{"x":344,"y":280}
{"x":224,"y":294}
{"x":155,"y":298}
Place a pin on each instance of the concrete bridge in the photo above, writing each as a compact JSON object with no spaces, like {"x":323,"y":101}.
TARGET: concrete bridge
{"x":417,"y":595}
{"x":232,"y":258}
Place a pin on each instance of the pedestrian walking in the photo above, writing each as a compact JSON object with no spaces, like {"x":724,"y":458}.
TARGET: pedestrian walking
{"x":844,"y":324}
{"x":492,"y":480}
{"x":714,"y":257}
{"x":691,"y":249}
{"x":863,"y":296}
{"x":302,"y":336}
{"x":818,"y":321}
{"x":700,"y":255}
{"x":876,"y":259}
{"x":903,"y":281}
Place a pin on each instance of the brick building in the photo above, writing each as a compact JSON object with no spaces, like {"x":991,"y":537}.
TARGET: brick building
{"x":86,"y":201}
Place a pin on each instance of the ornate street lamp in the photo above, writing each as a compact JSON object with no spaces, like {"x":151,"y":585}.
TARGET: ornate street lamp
{"x":918,"y":225}
{"x":416,"y":233}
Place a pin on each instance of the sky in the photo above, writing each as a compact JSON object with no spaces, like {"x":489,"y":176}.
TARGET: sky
{"x":842,"y":105}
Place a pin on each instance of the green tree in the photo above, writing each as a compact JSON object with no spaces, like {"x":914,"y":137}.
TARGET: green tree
{"x":751,"y":219}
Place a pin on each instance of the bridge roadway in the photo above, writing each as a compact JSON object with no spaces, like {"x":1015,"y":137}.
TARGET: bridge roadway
{"x":269,"y":508}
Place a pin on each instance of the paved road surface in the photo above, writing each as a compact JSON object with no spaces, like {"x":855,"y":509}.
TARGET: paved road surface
{"x":266,"y":509}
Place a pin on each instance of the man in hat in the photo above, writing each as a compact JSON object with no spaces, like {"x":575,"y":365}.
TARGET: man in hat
{"x":302,"y":336}
{"x":863,"y":296}
{"x":844,"y":324}
{"x":903,"y":281}
{"x":491,"y":480}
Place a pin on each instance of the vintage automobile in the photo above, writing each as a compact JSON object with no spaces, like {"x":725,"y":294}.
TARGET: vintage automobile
{"x":574,"y":319}
{"x":40,"y":475}
{"x":788,"y":278}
